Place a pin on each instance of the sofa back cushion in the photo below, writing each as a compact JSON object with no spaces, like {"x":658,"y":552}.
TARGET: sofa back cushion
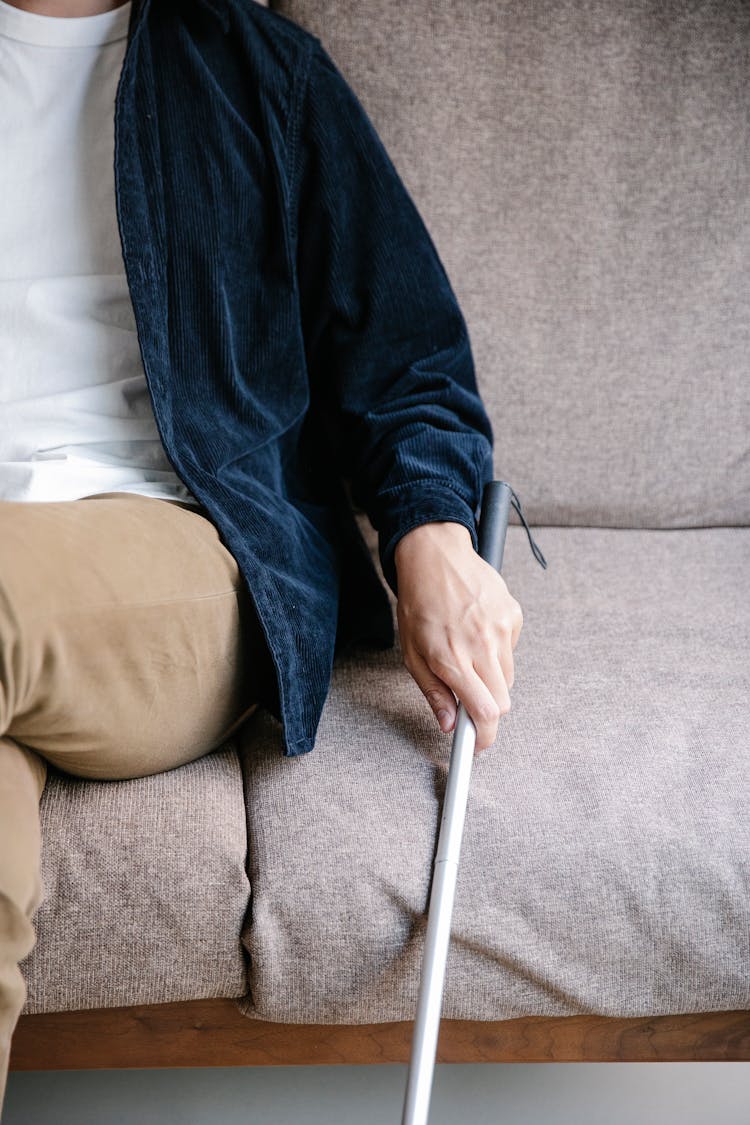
{"x":584,"y":169}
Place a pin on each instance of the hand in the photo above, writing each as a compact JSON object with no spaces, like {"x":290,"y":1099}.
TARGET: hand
{"x":458,"y":626}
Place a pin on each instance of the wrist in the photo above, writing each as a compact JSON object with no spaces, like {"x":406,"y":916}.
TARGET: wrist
{"x":446,"y":534}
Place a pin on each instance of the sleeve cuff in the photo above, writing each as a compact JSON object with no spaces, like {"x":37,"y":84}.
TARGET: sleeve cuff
{"x":411,"y":508}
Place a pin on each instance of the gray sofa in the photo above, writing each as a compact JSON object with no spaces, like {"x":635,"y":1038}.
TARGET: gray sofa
{"x":584,"y":168}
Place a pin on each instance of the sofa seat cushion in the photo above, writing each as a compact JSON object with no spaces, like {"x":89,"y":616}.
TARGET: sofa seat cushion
{"x":605,"y":858}
{"x":145,"y":888}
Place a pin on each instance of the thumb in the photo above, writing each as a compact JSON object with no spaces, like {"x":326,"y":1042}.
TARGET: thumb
{"x":437,"y":693}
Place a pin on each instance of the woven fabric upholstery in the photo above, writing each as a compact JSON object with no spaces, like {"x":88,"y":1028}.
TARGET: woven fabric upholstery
{"x":584,"y":169}
{"x":604,"y":864}
{"x":145,"y":888}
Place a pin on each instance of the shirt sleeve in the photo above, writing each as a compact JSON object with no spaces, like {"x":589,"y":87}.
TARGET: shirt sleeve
{"x":387,"y":347}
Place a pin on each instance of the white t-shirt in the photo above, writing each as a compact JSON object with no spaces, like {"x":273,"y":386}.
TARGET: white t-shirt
{"x":75,"y":412}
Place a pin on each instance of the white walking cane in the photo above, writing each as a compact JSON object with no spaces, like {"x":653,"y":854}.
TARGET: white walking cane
{"x":493,"y":525}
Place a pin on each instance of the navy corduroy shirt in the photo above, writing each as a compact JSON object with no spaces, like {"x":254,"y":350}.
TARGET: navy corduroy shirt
{"x":302,"y":344}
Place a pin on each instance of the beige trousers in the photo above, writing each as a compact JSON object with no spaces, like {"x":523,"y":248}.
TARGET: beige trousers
{"x":127,"y":644}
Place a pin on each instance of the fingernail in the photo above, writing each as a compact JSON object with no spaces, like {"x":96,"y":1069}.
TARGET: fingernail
{"x":444,"y":718}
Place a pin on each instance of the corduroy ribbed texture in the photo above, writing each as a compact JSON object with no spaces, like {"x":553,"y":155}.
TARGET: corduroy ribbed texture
{"x":297,"y":325}
{"x":605,"y":862}
{"x":584,"y":168}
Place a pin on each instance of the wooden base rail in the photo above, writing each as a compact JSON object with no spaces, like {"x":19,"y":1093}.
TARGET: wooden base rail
{"x":215,"y":1033}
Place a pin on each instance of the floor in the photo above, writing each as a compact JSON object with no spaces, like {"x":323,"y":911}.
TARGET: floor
{"x":509,"y":1094}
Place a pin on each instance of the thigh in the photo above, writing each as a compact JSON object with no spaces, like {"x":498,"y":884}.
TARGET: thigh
{"x":128,"y":635}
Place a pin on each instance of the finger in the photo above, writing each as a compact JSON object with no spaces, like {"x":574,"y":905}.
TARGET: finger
{"x":517,"y":626}
{"x":476,"y":697}
{"x":504,"y":657}
{"x":436,"y":691}
{"x":512,"y":616}
{"x":489,"y":670}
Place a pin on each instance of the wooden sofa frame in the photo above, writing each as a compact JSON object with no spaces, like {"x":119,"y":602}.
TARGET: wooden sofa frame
{"x":214,"y":1033}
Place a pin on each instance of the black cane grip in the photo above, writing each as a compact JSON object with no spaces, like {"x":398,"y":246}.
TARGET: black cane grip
{"x":493,"y":522}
